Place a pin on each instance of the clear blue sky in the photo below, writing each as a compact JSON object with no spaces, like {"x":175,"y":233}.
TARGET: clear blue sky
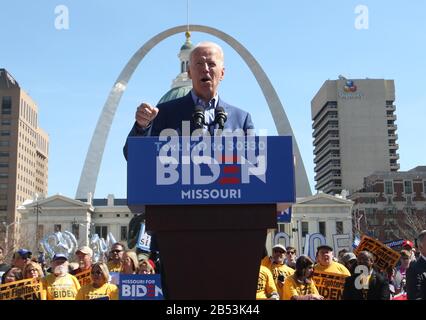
{"x":299,"y":44}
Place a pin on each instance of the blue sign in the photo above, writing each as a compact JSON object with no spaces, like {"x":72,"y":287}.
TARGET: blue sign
{"x":140,"y":287}
{"x":210,"y":170}
{"x":144,"y":239}
{"x":284,"y":216}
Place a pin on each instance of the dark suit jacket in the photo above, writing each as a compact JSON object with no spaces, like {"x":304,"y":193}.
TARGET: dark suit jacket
{"x":378,"y":288}
{"x":416,"y":280}
{"x":172,"y":113}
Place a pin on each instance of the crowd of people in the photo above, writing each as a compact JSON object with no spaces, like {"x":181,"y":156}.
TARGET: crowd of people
{"x":282,"y":276}
{"x":81,"y":279}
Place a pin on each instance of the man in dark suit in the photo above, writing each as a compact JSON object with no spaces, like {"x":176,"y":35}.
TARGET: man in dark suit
{"x":206,"y":70}
{"x":416,"y":273}
{"x":366,"y":283}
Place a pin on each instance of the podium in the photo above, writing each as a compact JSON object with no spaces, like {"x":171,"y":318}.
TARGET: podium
{"x":210,"y":202}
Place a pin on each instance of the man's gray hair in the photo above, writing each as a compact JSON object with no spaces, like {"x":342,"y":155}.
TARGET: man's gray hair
{"x":205,"y":44}
{"x":421,"y":235}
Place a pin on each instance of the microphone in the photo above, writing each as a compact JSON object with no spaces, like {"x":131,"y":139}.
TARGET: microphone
{"x":220,"y":117}
{"x":198,"y":117}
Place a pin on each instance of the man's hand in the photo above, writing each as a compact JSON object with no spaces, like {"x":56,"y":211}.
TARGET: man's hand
{"x":145,"y":114}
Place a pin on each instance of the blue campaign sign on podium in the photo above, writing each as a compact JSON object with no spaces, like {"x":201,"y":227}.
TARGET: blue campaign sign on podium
{"x":225,"y":169}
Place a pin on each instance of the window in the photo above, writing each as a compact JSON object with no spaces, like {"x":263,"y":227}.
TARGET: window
{"x":339,"y":227}
{"x":75,"y":230}
{"x":4,"y":154}
{"x":4,"y":165}
{"x":4,"y":143}
{"x":281,"y":227}
{"x":424,"y":187}
{"x":388,"y":187}
{"x":57,"y":228}
{"x":4,"y":175}
{"x":321,"y":227}
{"x":305,"y":228}
{"x":101,"y":231}
{"x":6,"y":122}
{"x":123,"y":233}
{"x":6,"y":105}
{"x":408,"y":187}
{"x":4,"y":133}
{"x":3,"y":196}
{"x":40,"y":231}
{"x":3,"y":186}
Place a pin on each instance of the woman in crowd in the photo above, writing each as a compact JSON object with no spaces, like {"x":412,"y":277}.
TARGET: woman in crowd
{"x":130,"y":263}
{"x":300,"y":285}
{"x":12,"y":275}
{"x":99,"y":289}
{"x":145,"y":267}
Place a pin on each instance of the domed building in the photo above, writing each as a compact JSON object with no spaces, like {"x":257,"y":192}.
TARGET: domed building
{"x":181,"y":85}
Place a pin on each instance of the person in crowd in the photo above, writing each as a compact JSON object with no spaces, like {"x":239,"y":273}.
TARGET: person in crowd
{"x":99,"y":289}
{"x":278,"y":268}
{"x":266,"y":289}
{"x":340,"y":255}
{"x":21,"y":257}
{"x":368,"y":284}
{"x":12,"y":275}
{"x":116,"y":257}
{"x":145,"y":267}
{"x":325,"y":262}
{"x":130,"y":263}
{"x":291,"y":257}
{"x":409,"y":246}
{"x":3,"y":266}
{"x":416,"y":273}
{"x":300,"y":286}
{"x":32,"y":270}
{"x":349,"y":261}
{"x":84,"y":256}
{"x":60,"y":285}
{"x":401,"y":271}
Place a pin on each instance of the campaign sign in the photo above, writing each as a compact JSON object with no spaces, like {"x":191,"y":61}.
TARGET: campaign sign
{"x":329,"y":285}
{"x":140,"y":287}
{"x":204,"y":169}
{"x":384,"y":257}
{"x":144,"y":239}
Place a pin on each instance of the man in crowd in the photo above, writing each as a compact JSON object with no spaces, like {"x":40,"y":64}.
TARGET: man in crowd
{"x":116,"y":257}
{"x":20,"y":258}
{"x":60,"y":285}
{"x":366,"y":283}
{"x":401,"y":271}
{"x":278,"y":268}
{"x":416,"y":273}
{"x":291,"y":257}
{"x":349,"y":261}
{"x":325,"y":262}
{"x":266,"y":288}
{"x":409,"y":246}
{"x":84,"y":255}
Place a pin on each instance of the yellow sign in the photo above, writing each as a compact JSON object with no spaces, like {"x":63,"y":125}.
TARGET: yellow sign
{"x":330,"y":285}
{"x":384,"y":257}
{"x":84,"y":277}
{"x":27,"y":289}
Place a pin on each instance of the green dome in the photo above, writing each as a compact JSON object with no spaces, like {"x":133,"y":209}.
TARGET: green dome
{"x":175,"y":93}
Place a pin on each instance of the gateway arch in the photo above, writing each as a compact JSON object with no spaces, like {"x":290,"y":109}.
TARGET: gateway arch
{"x":89,"y":174}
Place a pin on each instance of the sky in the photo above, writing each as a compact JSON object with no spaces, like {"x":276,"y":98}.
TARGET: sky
{"x":70,"y":71}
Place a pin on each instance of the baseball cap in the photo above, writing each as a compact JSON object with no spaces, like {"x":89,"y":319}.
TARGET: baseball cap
{"x":407,"y":243}
{"x":324,"y":246}
{"x":348,"y":256}
{"x":60,"y":256}
{"x":24,"y":253}
{"x":279,"y":246}
{"x":86,"y":250}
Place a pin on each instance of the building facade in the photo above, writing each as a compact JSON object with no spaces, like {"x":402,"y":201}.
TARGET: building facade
{"x":391,"y":205}
{"x":83,"y":218}
{"x":354,"y":132}
{"x":24,"y":154}
{"x":328,"y":215}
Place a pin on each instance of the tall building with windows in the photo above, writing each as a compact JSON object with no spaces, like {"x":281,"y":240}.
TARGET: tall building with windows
{"x":24,"y":149}
{"x":354,"y":132}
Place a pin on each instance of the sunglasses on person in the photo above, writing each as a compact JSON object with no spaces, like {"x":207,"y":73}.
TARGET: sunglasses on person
{"x":116,"y":251}
{"x":279,"y":251}
{"x":291,"y":252}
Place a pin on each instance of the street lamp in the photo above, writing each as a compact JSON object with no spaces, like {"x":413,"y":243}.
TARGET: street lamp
{"x":37,"y":211}
{"x":6,"y":240}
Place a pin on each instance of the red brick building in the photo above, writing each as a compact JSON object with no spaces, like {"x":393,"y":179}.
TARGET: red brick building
{"x":391,"y":205}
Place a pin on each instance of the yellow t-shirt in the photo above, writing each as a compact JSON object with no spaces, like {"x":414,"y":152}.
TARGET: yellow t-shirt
{"x":334,"y":267}
{"x":61,"y":288}
{"x":265,"y":284}
{"x":114,"y":267}
{"x":108,"y":291}
{"x":277,"y":270}
{"x":292,"y":287}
